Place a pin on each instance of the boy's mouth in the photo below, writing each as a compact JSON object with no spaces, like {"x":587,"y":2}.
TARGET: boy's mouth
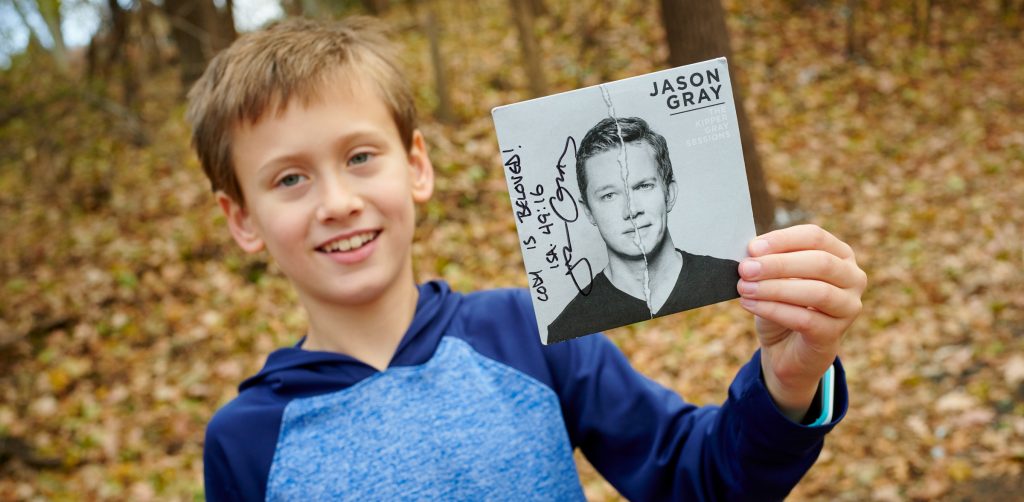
{"x":349,"y":243}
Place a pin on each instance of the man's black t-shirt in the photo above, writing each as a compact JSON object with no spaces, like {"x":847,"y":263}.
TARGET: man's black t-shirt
{"x":703,"y":280}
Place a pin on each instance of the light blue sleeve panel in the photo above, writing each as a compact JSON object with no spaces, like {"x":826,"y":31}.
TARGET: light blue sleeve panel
{"x":828,"y":384}
{"x":459,"y":427}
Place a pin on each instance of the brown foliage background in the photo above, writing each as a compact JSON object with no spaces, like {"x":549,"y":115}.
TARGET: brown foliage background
{"x":127,"y":316}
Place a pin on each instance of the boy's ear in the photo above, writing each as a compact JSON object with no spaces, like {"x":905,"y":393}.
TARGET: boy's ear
{"x":421,"y":170}
{"x":240,"y":224}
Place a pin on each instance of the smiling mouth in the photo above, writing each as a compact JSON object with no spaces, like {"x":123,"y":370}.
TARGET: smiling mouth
{"x":349,"y":243}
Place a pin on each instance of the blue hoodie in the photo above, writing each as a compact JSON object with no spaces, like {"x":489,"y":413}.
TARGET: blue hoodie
{"x":473,"y":407}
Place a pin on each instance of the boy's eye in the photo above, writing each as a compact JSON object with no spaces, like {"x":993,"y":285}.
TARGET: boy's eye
{"x":606,"y":196}
{"x":644,"y":186}
{"x":290,"y":180}
{"x":360,"y":158}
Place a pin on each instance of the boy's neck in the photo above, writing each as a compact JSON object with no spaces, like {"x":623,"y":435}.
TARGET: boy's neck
{"x":369,"y":332}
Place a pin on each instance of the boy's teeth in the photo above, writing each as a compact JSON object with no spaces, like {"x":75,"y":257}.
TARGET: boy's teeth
{"x":354,"y":242}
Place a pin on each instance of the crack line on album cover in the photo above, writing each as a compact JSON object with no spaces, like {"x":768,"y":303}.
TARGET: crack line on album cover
{"x":623,"y":160}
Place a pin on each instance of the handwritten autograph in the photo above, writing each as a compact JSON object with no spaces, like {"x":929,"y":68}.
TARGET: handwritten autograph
{"x":564,"y":206}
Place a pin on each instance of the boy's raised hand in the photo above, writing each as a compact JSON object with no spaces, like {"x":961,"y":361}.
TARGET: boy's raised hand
{"x":804,"y":287}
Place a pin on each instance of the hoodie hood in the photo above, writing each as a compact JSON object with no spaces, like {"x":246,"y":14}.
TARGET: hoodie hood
{"x":296,"y":372}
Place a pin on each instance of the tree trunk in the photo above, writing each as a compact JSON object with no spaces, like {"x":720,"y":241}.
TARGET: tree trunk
{"x":696,"y":31}
{"x":189,"y":36}
{"x":50,"y":12}
{"x":538,"y":8}
{"x":227,"y":30}
{"x":523,"y":15}
{"x":118,"y":32}
{"x":118,"y":40}
{"x":851,"y":29}
{"x":922,"y":19}
{"x":33,"y":37}
{"x":375,"y":7}
{"x":152,"y":36}
{"x":292,"y":8}
{"x":444,"y":104}
{"x":199,"y":30}
{"x":311,"y":9}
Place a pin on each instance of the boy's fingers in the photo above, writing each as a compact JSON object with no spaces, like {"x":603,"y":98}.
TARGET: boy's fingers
{"x":820,"y":330}
{"x":822,"y":296}
{"x":798,"y":238}
{"x":818,"y":265}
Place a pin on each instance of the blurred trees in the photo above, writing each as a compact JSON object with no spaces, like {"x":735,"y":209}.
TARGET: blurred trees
{"x":49,"y":11}
{"x":443,"y":111}
{"x":133,"y":35}
{"x":140,"y":37}
{"x":524,"y":13}
{"x":200,"y":29}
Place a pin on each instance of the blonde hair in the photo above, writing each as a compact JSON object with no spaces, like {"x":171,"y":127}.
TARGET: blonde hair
{"x":264,"y":71}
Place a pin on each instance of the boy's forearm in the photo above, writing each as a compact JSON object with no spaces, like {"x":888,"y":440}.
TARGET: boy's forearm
{"x":793,"y":400}
{"x":771,"y":450}
{"x":652,"y":446}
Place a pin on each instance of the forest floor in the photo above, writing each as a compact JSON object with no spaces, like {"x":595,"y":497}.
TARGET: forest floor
{"x":128,"y":315}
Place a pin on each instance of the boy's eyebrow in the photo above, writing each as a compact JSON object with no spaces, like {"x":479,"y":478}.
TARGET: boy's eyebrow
{"x":343,"y":141}
{"x":274,"y":162}
{"x":340,"y":142}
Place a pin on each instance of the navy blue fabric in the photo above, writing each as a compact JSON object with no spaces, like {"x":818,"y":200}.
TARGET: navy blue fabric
{"x":643,"y":438}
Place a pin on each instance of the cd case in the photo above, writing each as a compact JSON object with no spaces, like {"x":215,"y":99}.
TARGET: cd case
{"x":630,"y":198}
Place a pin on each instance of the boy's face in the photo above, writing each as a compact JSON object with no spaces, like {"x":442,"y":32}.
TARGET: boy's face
{"x":330,"y":192}
{"x":649,"y":200}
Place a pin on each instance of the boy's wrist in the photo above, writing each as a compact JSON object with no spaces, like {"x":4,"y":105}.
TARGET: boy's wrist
{"x":793,"y":401}
{"x":816,"y":411}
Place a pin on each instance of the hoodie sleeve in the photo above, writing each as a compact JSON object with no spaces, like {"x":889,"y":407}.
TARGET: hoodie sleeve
{"x":651,"y":445}
{"x":218,"y":480}
{"x":239,"y":447}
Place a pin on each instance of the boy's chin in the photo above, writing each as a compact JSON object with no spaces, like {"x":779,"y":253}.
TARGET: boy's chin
{"x":354,"y":292}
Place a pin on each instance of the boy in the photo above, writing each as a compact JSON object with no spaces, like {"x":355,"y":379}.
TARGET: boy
{"x":307,"y":133}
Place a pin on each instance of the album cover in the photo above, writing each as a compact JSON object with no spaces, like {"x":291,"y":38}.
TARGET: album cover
{"x":630,"y":198}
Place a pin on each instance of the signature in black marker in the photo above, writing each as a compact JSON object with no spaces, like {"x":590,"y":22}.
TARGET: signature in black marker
{"x":564,"y":206}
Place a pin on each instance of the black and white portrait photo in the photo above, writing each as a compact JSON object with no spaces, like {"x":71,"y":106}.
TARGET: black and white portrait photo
{"x":630,"y":198}
{"x":627,"y":190}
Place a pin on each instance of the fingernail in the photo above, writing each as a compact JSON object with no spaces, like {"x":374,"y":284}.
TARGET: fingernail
{"x":750,"y":268}
{"x":747,"y":287}
{"x":759,"y":247}
{"x":748,"y":303}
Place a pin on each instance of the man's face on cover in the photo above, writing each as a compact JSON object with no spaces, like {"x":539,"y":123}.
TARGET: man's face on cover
{"x":617,"y":215}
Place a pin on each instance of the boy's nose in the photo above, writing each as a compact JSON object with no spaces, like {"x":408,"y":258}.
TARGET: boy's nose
{"x":338,"y":201}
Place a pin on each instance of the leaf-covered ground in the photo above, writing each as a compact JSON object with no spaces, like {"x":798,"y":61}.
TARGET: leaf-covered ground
{"x":127,"y":316}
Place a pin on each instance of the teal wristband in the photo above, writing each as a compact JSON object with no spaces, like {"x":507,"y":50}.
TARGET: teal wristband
{"x":828,"y":383}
